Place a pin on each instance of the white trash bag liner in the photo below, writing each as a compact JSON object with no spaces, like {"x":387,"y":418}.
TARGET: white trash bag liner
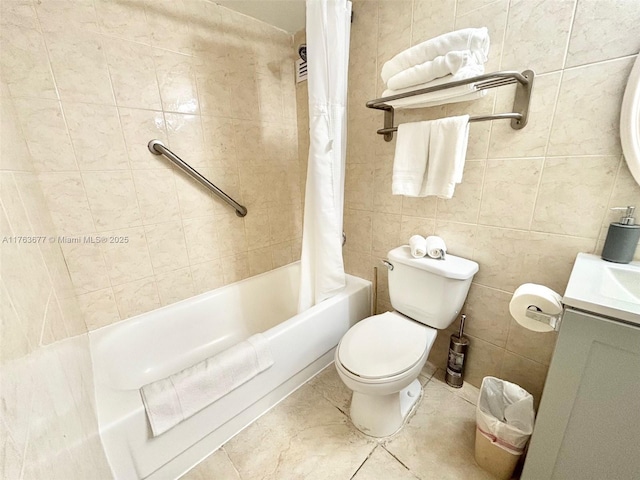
{"x":505,"y":414}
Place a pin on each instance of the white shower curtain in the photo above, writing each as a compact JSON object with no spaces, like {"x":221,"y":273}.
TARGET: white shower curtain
{"x":328,"y":27}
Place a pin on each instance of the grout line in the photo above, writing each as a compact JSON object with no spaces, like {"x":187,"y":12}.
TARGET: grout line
{"x":571,"y":25}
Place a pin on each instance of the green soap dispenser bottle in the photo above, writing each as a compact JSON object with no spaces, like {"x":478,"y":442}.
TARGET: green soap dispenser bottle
{"x":622,"y":238}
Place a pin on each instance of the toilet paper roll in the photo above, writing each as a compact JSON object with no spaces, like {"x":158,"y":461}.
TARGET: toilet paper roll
{"x":543,"y":298}
{"x":418,"y":246}
{"x":435,"y":246}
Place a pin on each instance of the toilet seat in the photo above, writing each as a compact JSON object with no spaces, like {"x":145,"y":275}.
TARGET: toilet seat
{"x":384,"y":346}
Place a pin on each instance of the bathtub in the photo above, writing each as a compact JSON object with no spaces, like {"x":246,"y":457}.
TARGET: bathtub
{"x":154,"y":345}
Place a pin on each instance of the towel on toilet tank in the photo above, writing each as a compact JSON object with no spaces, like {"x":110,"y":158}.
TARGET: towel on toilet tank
{"x":173,"y":399}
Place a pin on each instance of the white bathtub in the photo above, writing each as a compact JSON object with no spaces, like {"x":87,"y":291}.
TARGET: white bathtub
{"x":157,"y":344}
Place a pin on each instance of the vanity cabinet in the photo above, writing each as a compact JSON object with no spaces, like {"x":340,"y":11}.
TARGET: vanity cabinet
{"x":588,"y":424}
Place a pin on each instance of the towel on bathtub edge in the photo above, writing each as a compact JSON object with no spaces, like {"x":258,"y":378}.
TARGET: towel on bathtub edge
{"x":173,"y":399}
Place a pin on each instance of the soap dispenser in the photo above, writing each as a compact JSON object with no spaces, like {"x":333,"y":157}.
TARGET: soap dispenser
{"x":622,"y":238}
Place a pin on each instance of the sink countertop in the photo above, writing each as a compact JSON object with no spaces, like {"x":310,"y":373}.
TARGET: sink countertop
{"x":605,"y":288}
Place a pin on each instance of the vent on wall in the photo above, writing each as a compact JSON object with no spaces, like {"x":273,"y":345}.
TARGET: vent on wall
{"x":301,"y":64}
{"x":301,"y":70}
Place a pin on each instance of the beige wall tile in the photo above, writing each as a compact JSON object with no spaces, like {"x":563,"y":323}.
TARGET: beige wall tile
{"x":127,"y":259}
{"x":383,"y":200}
{"x":431,"y":19}
{"x":357,"y":227}
{"x":394,"y":31}
{"x":67,"y":201}
{"x":500,"y":254}
{"x":79,"y":66}
{"x":177,"y":81}
{"x":14,"y":154}
{"x":260,"y":260}
{"x":175,"y":286}
{"x":96,"y":136}
{"x":13,"y":340}
{"x":235,"y":268}
{"x":573,"y":195}
{"x":415,"y":226}
{"x":86,"y":266}
{"x":587,"y":114}
{"x":136,"y":297}
{"x":70,"y":14}
{"x":124,"y":20}
{"x":536,"y":346}
{"x":537,"y":34}
{"x":483,"y":359}
{"x":167,"y":246}
{"x":201,"y":234}
{"x":459,"y":237}
{"x":488,"y":317}
{"x":282,"y":254}
{"x":385,"y":233}
{"x":464,"y":205}
{"x":133,"y":74}
{"x":509,"y":193}
{"x":610,"y":36}
{"x":99,"y":308}
{"x":528,"y":374}
{"x":24,"y":61}
{"x":112,"y":198}
{"x":46,"y":135}
{"x":257,"y":228}
{"x":139,"y":127}
{"x":185,"y":137}
{"x":532,"y":140}
{"x":207,"y":276}
{"x":359,"y":186}
{"x":156,"y":194}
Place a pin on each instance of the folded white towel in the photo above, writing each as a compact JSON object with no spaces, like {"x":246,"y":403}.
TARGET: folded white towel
{"x":435,"y":246}
{"x":449,"y":64}
{"x":474,"y":39}
{"x":430,"y":156}
{"x":410,"y":163}
{"x":463,"y":93}
{"x":418,"y":246}
{"x":173,"y":399}
{"x":447,"y":153}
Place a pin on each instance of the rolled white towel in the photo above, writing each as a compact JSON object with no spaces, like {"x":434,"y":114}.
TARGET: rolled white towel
{"x":435,"y":246}
{"x":418,"y":246}
{"x":450,"y":64}
{"x":474,"y":39}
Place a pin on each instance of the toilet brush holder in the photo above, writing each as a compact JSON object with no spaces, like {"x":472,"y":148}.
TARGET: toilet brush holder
{"x":458,"y":346}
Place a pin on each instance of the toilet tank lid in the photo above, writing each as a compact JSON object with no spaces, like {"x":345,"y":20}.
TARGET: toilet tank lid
{"x":453,"y":267}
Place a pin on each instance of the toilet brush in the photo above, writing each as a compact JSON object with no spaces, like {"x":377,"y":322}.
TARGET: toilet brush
{"x":458,"y":346}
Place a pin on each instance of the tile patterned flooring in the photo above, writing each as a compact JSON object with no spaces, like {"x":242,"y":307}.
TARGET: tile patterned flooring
{"x":309,"y":436}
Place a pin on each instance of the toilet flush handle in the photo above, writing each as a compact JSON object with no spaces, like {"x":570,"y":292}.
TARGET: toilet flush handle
{"x":387,"y":264}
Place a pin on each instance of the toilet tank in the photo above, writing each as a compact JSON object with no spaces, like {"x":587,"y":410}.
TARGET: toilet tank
{"x":428,"y":290}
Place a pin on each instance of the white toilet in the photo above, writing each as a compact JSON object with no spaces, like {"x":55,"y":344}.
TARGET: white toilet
{"x":380,"y":357}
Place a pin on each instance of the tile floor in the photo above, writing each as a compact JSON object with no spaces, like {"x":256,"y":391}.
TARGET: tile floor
{"x":309,"y":435}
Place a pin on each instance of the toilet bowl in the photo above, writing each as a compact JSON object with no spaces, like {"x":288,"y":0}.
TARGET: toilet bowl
{"x":380,"y":357}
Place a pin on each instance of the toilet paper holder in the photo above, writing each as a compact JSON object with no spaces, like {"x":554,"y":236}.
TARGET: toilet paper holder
{"x":535,"y":313}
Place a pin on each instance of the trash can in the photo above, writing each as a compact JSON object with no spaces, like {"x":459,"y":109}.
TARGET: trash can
{"x":504,"y":423}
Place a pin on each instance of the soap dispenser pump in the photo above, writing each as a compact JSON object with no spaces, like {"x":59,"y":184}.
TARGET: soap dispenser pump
{"x":622,"y":238}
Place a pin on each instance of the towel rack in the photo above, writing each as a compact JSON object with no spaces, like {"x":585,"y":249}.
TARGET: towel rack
{"x":157,"y":148}
{"x":518,"y":117}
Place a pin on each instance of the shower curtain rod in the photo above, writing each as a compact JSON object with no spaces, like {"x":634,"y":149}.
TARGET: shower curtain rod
{"x":157,"y":148}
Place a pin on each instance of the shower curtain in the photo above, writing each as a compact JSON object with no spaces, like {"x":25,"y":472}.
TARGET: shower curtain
{"x":322,"y":267}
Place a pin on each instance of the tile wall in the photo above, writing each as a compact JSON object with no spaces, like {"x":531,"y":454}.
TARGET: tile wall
{"x":90,"y":83}
{"x":530,"y":200}
{"x":84,"y":85}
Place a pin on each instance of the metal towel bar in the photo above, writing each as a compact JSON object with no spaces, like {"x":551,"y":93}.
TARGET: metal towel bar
{"x":157,"y":148}
{"x":518,"y":117}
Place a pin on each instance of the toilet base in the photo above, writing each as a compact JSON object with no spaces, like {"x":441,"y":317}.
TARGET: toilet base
{"x":383,"y":415}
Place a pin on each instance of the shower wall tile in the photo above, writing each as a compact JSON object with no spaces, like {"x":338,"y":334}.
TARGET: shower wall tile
{"x":611,"y":36}
{"x":79,"y":66}
{"x":24,"y":62}
{"x":167,"y":246}
{"x":126,"y":254}
{"x":67,"y":201}
{"x":96,"y":136}
{"x":175,"y":286}
{"x":530,"y":199}
{"x":136,"y":297}
{"x":70,"y":14}
{"x":99,"y":308}
{"x":45,"y":132}
{"x":112,"y":199}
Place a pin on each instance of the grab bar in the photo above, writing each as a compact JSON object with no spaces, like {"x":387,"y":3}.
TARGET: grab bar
{"x":157,"y":148}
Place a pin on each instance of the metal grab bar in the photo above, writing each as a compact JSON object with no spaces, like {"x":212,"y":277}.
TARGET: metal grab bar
{"x":157,"y":148}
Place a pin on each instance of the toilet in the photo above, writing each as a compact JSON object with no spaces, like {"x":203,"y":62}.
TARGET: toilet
{"x":380,"y":357}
